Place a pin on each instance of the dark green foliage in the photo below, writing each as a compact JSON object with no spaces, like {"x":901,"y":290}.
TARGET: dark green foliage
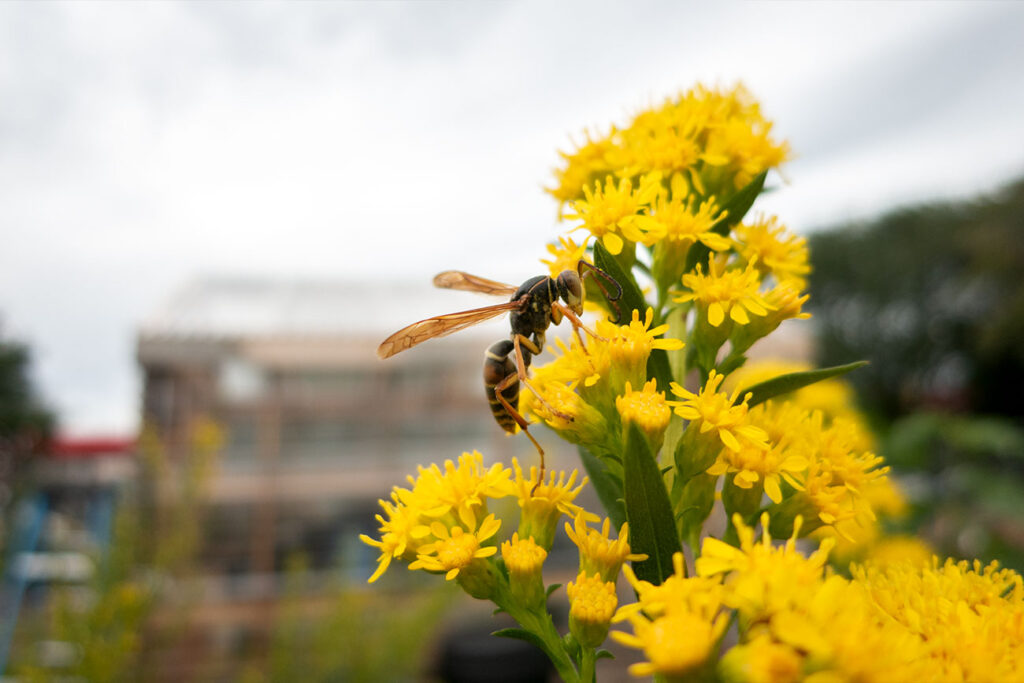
{"x":933,"y":297}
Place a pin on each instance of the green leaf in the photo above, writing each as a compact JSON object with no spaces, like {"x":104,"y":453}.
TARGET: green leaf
{"x":783,"y":384}
{"x":603,"y":654}
{"x":522,"y":634}
{"x":737,"y":208}
{"x":632,"y":298}
{"x":551,"y":589}
{"x":652,"y":528}
{"x":658,"y":368}
{"x":608,"y":488}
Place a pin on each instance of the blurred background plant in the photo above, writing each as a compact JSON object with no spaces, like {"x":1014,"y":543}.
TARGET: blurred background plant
{"x":933,"y":297}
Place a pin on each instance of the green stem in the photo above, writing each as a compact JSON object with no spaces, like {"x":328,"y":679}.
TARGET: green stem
{"x":542,"y":626}
{"x":588,"y":660}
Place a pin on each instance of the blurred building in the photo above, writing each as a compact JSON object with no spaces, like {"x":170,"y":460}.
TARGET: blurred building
{"x":318,"y":428}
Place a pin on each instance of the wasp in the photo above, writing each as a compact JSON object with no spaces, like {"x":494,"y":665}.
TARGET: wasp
{"x":533,"y":307}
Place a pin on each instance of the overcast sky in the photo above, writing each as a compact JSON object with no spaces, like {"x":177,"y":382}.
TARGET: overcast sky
{"x":144,"y":144}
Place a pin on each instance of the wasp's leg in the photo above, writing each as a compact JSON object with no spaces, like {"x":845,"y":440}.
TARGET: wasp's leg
{"x":521,"y":371}
{"x":577,"y":324}
{"x":520,"y":420}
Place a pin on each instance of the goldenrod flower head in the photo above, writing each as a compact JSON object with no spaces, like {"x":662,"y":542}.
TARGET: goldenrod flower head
{"x":762,"y":579}
{"x":675,"y":644}
{"x":647,"y":409}
{"x":712,"y":412}
{"x":580,"y":168}
{"x":762,"y":660}
{"x":462,"y":490}
{"x":541,"y":503}
{"x":725,"y":292}
{"x":970,"y":616}
{"x":456,"y":548}
{"x":677,"y":593}
{"x":774,"y":249}
{"x":565,"y":255}
{"x":752,"y":464}
{"x":846,"y":638}
{"x":523,"y":557}
{"x":740,"y":142}
{"x":401,"y":534}
{"x":592,"y":603}
{"x":524,"y":560}
{"x":585,"y":423}
{"x":609,"y":212}
{"x":658,"y":139}
{"x":818,"y":500}
{"x":628,"y":347}
{"x":836,"y":446}
{"x":681,"y":222}
{"x":900,"y":549}
{"x":598,"y":553}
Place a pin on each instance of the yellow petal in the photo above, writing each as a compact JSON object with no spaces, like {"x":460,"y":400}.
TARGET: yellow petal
{"x":716,"y":314}
{"x":613,"y":243}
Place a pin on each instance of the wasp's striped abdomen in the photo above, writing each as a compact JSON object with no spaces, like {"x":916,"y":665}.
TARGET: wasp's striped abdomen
{"x":497,"y":366}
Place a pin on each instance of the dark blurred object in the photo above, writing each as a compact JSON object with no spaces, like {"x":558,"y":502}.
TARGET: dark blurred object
{"x":25,"y":424}
{"x":470,"y":653}
{"x":933,"y":296}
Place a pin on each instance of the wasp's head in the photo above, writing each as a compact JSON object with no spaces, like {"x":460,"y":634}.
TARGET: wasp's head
{"x":570,"y":289}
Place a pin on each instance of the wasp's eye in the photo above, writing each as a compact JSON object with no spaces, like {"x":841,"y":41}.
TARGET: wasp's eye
{"x":570,"y":288}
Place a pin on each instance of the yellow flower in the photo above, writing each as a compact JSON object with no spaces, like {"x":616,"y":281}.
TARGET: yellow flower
{"x":456,"y":548}
{"x":752,"y":464}
{"x":457,"y":495}
{"x":462,"y":490}
{"x":598,"y":553}
{"x":565,"y":255}
{"x":725,"y":293}
{"x":401,"y":534}
{"x":762,"y":660}
{"x":677,"y":624}
{"x":712,"y":412}
{"x":646,"y":408}
{"x":629,"y":346}
{"x":682,"y":223}
{"x":574,"y":419}
{"x":609,"y":213}
{"x":523,"y":557}
{"x":592,"y":603}
{"x":762,"y":580}
{"x":524,"y":560}
{"x":677,"y":593}
{"x":969,"y":617}
{"x":774,"y":249}
{"x":542,"y":503}
{"x":580,"y":168}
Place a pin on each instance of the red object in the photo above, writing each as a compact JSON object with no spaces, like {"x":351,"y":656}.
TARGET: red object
{"x":92,"y":447}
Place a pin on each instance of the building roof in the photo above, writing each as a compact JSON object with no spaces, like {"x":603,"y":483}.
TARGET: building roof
{"x":238,"y":308}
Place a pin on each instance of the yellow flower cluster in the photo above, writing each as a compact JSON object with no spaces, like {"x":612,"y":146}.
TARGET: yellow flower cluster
{"x":713,"y":139}
{"x":678,"y":624}
{"x":594,"y":384}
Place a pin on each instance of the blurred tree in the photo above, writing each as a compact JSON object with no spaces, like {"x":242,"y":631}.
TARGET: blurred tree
{"x":25,"y":424}
{"x":933,"y":297}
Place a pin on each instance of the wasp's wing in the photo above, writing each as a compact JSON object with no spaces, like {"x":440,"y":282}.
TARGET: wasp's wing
{"x":442,"y":325}
{"x":456,"y":279}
